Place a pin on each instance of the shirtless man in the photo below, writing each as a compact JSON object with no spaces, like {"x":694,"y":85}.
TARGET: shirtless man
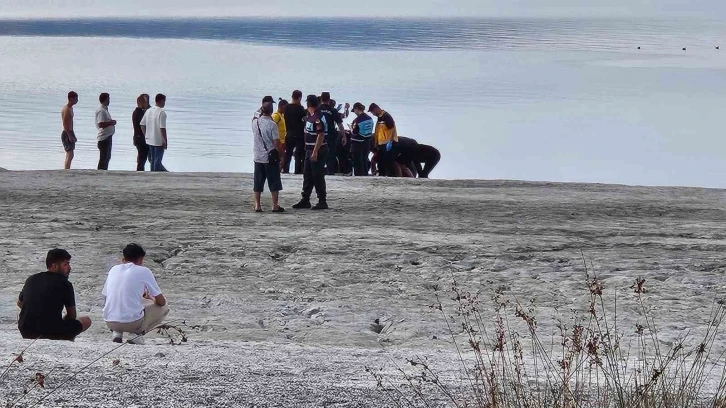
{"x":68,"y":137}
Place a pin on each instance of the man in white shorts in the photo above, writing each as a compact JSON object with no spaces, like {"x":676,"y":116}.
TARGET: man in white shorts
{"x":134,"y":302}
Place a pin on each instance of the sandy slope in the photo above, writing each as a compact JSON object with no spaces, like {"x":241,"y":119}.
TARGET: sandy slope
{"x":282,"y":305}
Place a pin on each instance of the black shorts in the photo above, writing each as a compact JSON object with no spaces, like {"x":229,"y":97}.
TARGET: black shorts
{"x":269,"y":172}
{"x":65,"y":330}
{"x":68,"y":144}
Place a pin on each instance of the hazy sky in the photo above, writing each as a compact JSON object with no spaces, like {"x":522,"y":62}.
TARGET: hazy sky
{"x":427,"y":8}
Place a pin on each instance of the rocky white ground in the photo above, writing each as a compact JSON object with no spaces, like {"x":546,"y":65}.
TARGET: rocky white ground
{"x":278,"y":309}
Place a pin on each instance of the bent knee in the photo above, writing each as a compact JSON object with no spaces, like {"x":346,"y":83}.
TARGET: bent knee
{"x":85,"y":322}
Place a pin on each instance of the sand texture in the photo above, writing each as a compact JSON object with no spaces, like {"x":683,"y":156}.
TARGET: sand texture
{"x":278,"y":308}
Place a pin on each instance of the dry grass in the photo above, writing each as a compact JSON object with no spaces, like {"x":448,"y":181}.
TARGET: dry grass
{"x":176,"y":335}
{"x":509,"y":363}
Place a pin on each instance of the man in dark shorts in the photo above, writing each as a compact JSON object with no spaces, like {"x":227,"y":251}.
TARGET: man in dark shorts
{"x":266,"y":139}
{"x":68,"y":137}
{"x":316,"y":151}
{"x":295,"y":115}
{"x":43,"y":298}
{"x":332,"y":118}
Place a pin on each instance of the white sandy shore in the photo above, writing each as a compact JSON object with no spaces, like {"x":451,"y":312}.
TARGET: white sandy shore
{"x":282,"y":304}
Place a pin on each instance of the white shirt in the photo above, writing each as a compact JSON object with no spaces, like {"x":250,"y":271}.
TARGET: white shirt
{"x":154,"y":119}
{"x":102,"y":115}
{"x":124,"y":290}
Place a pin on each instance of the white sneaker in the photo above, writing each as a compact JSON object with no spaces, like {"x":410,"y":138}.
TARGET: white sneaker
{"x":137,"y":340}
{"x":118,"y":337}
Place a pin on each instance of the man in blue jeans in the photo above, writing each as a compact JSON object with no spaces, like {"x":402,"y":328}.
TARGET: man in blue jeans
{"x":153,"y":126}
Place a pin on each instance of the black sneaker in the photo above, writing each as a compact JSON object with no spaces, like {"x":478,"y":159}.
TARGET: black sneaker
{"x":321,"y":206}
{"x":302,"y":204}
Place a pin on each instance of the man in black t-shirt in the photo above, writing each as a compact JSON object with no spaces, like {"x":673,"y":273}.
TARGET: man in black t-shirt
{"x":333,"y":118}
{"x":295,"y":115}
{"x":43,"y":298}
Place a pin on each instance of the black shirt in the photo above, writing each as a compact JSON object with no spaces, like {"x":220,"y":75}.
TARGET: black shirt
{"x":295,"y":120}
{"x":44,"y":296}
{"x":332,"y":117}
{"x":136,"y":120}
{"x":406,"y":149}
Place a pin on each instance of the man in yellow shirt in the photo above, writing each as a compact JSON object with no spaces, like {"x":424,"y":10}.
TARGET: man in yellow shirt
{"x":385,"y":140}
{"x":279,"y":118}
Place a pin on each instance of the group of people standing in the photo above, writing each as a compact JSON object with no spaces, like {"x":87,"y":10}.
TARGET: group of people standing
{"x":367,"y":147}
{"x":316,"y":138}
{"x":150,"y":137}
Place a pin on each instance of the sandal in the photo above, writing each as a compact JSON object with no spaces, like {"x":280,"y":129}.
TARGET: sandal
{"x":278,"y":210}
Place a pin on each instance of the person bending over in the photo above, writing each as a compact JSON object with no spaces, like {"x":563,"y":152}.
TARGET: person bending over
{"x":43,"y":298}
{"x":133,"y":300}
{"x":429,"y":156}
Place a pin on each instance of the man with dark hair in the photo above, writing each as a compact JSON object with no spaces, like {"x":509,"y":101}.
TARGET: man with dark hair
{"x":386,"y":137}
{"x":295,"y":115}
{"x":153,"y":126}
{"x":133,"y":300}
{"x":106,"y":128}
{"x":68,"y":136}
{"x":43,"y":298}
{"x":360,"y":139}
{"x":332,"y":118}
{"x":316,"y":150}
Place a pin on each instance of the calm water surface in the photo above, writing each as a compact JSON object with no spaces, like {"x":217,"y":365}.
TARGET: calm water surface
{"x":537,"y":99}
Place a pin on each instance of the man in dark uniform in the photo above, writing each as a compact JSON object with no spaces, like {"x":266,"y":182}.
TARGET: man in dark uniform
{"x":332,"y":118}
{"x":295,"y":141}
{"x":316,"y":151}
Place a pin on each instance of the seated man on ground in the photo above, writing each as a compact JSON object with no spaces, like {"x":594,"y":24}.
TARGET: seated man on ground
{"x":134,"y":302}
{"x":43,"y":298}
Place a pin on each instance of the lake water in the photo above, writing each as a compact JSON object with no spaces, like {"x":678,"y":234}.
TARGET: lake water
{"x":534,"y":99}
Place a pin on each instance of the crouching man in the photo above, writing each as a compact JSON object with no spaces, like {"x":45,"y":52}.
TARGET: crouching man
{"x":43,"y":298}
{"x":134,"y":302}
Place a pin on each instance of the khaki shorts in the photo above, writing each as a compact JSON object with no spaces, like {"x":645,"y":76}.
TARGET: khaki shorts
{"x":153,"y":316}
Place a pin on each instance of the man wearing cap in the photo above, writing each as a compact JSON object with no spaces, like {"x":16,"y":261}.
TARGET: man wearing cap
{"x":360,"y":139}
{"x":386,"y":137}
{"x":279,"y":118}
{"x":332,"y":118}
{"x":316,"y":151}
{"x":266,"y":100}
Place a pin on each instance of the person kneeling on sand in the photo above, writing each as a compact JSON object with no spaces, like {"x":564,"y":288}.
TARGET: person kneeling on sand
{"x":43,"y":298}
{"x":134,"y":302}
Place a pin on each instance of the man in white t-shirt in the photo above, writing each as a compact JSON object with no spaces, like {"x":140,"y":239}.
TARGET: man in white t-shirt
{"x":106,"y":128}
{"x":153,"y":125}
{"x":134,"y":302}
